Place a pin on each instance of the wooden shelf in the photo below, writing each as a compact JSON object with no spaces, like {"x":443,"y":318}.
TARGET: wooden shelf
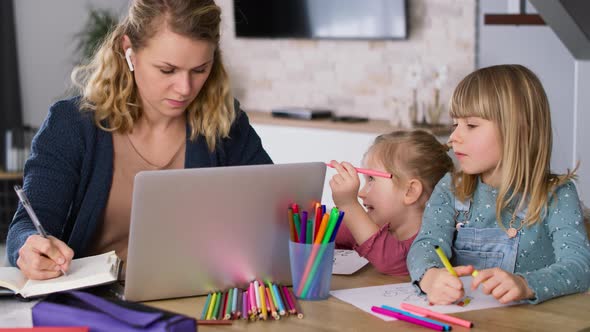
{"x":513,"y":19}
{"x":371,"y":126}
{"x":11,"y":176}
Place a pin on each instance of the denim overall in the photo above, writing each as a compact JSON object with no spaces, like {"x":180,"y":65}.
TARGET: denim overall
{"x":483,"y":248}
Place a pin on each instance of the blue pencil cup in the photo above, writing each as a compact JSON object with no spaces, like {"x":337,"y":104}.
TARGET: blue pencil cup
{"x":311,"y":269}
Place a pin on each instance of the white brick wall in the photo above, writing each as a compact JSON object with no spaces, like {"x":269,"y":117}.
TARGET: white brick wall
{"x":365,"y":78}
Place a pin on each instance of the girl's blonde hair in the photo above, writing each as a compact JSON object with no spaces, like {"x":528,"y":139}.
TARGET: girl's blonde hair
{"x":513,"y":98}
{"x":108,"y":88}
{"x":412,"y":154}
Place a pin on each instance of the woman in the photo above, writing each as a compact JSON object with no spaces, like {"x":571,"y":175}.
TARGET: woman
{"x":155,"y":96}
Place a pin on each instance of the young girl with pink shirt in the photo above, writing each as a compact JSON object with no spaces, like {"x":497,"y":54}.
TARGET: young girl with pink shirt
{"x":383,"y":228}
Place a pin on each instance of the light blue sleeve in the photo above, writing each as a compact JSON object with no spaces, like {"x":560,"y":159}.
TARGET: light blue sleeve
{"x":571,"y":271}
{"x":438,"y":228}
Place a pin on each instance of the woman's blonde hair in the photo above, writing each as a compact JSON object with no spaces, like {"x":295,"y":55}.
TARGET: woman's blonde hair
{"x":412,"y":154}
{"x":108,"y":88}
{"x":513,"y":98}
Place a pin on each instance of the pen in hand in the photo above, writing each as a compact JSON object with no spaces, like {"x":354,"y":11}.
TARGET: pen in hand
{"x":27,"y":205}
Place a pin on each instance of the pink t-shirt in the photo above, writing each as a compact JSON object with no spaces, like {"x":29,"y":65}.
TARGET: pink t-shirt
{"x":383,"y":250}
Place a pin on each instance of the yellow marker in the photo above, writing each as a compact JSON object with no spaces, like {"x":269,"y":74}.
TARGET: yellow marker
{"x":445,"y":260}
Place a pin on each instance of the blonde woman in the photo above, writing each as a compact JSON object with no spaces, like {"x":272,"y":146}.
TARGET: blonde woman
{"x":155,"y":96}
{"x":504,"y":214}
{"x":383,"y":228}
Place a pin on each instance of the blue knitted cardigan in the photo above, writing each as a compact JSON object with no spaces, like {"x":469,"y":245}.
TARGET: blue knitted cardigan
{"x":69,"y":173}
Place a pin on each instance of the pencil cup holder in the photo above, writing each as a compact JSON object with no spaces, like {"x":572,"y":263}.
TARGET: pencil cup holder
{"x":311,"y":269}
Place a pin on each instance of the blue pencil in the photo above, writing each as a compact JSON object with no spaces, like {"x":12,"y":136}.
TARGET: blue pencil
{"x":204,"y":313}
{"x":338,"y":222}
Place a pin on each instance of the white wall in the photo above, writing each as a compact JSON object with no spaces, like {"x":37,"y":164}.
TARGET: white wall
{"x":295,"y":145}
{"x":539,"y":48}
{"x":45,"y":40}
{"x":581,"y":132}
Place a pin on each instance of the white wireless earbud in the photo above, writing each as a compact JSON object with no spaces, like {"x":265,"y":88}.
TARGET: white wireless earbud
{"x":128,"y":58}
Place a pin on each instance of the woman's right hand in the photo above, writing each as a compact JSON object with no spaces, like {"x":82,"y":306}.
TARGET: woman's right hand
{"x":345,"y":185}
{"x":442,"y":287}
{"x":44,"y":258}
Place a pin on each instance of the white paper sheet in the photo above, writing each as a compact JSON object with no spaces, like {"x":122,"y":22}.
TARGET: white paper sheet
{"x":347,"y":262}
{"x":393,"y":295}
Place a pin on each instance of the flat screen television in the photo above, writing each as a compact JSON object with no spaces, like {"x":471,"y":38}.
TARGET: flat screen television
{"x":323,"y":19}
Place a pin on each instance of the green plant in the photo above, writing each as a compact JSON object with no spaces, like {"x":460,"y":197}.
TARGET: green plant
{"x":99,"y":24}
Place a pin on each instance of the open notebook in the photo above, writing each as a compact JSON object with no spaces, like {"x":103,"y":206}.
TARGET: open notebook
{"x":83,"y":272}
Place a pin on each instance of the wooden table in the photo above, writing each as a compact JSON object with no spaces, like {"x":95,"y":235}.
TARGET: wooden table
{"x":569,"y":313}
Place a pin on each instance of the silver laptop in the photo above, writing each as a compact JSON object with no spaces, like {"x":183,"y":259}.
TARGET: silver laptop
{"x":199,"y":230}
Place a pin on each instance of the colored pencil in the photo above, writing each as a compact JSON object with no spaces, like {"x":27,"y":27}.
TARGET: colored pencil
{"x":316,"y":262}
{"x":303,"y":229}
{"x":239,"y":303}
{"x":217,"y":304}
{"x":288,"y":301}
{"x":277,"y":295}
{"x":230,"y":298}
{"x":297,"y":226}
{"x":406,"y":318}
{"x":312,"y":255}
{"x":292,"y":231}
{"x":262,"y":293}
{"x":234,"y":306}
{"x":437,"y":315}
{"x":295,"y":304}
{"x":222,"y":306}
{"x":273,"y":310}
{"x":252,"y":300}
{"x":309,"y":236}
{"x":206,"y":307}
{"x":211,"y":306}
{"x":338,"y":223}
{"x":257,"y":296}
{"x":245,"y":305}
{"x":214,"y":322}
{"x":445,"y":260}
{"x":369,"y":172}
{"x":446,"y":327}
{"x":318,"y":220}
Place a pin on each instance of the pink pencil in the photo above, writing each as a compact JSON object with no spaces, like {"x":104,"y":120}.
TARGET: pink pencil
{"x":408,"y":319}
{"x":437,"y":315}
{"x":369,"y":172}
{"x":288,"y":299}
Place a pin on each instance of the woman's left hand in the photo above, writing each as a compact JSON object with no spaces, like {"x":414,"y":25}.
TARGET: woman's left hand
{"x":503,"y":286}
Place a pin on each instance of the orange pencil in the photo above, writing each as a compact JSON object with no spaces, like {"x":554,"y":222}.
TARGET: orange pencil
{"x":273,"y":311}
{"x":322,"y":230}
